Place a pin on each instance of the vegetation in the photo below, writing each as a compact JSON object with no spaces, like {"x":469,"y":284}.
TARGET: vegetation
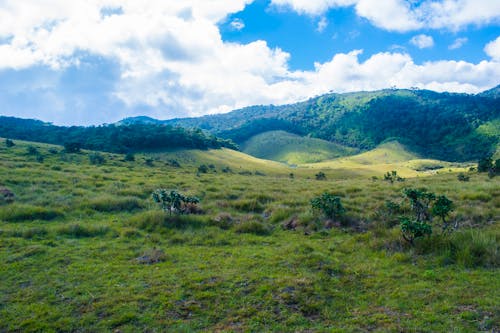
{"x":329,"y":204}
{"x":452,"y":127}
{"x":110,"y":138}
{"x":234,"y":267}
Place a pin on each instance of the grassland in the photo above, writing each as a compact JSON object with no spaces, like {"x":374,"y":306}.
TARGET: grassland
{"x":290,"y":148}
{"x":84,"y":248}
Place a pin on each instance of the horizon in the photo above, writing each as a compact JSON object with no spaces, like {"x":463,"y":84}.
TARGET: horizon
{"x":168,"y":60}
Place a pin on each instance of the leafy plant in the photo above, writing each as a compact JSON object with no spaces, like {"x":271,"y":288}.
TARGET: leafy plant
{"x":203,"y":169}
{"x":393,"y":176}
{"x":320,"y":176}
{"x":329,"y":204}
{"x":442,"y":207}
{"x":413,"y":229}
{"x":72,"y":147}
{"x":463,"y":177}
{"x":173,"y":201}
{"x":129,"y":157}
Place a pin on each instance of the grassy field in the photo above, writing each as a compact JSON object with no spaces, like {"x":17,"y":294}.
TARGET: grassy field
{"x":290,"y":148}
{"x":84,"y":248}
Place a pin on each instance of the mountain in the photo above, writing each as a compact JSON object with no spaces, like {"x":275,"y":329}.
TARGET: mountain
{"x":435,"y":125}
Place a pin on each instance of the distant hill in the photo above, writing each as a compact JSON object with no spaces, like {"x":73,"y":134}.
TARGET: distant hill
{"x":111,"y":138}
{"x":436,"y":125}
{"x":291,"y":148}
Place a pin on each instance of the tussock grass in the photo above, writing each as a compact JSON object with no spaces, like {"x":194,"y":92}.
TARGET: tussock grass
{"x":25,"y":212}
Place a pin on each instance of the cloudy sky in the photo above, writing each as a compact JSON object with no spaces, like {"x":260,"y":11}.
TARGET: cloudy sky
{"x":98,"y":61}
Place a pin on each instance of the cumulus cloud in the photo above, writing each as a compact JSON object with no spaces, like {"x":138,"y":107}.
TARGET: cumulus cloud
{"x":422,"y":41}
{"x":401,"y":15}
{"x":89,"y":61}
{"x":493,"y":49}
{"x":458,"y":43}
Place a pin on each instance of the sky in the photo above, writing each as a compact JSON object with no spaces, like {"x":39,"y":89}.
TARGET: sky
{"x":89,"y":62}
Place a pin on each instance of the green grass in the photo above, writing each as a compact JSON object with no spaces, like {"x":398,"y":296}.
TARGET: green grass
{"x":290,"y":148}
{"x":111,"y":260}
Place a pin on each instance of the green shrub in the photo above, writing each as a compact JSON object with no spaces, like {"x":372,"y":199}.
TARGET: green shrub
{"x":30,"y":150}
{"x":9,"y":143}
{"x":22,"y":212}
{"x":329,"y":204}
{"x":172,"y":201}
{"x":96,"y":159}
{"x":6,"y":196}
{"x":393,"y":176}
{"x":203,"y":169}
{"x":129,"y":157}
{"x":253,"y":227}
{"x":412,"y":229}
{"x":476,"y":248}
{"x":320,"y":176}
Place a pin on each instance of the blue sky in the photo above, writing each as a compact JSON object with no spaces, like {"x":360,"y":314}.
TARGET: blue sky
{"x":94,"y":62}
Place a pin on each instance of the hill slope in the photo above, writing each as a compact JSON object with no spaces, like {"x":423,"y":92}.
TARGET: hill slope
{"x":436,"y":125}
{"x":293,"y":149}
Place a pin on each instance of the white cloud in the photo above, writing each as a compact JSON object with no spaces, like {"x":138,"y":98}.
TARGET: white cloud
{"x":237,"y":24}
{"x":422,"y":41}
{"x":458,"y":43}
{"x":493,"y":49}
{"x":401,"y":15}
{"x":171,"y":61}
{"x":322,"y":24}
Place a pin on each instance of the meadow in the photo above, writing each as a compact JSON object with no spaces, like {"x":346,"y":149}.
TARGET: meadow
{"x":84,"y":248}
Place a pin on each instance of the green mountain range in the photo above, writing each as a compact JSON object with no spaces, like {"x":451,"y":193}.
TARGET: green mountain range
{"x":448,"y":126}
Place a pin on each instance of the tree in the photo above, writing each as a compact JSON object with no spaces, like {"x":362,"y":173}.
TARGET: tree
{"x":173,"y":201}
{"x":320,"y":176}
{"x":9,"y":143}
{"x":393,"y":176}
{"x":485,"y":164}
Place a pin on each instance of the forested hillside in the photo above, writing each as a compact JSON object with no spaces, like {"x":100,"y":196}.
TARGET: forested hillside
{"x":111,"y":138}
{"x":437,"y":125}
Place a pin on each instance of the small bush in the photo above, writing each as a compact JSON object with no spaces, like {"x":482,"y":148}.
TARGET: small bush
{"x":77,"y":230}
{"x":129,"y":157}
{"x":253,"y":227}
{"x":30,"y":150}
{"x":320,"y":176}
{"x":393,"y":176}
{"x":9,"y":143}
{"x":203,"y":169}
{"x":172,"y":201}
{"x":19,"y":212}
{"x":96,"y":159}
{"x":329,"y":204}
{"x":72,"y":147}
{"x":463,"y":177}
{"x":174,"y":163}
{"x":6,"y":196}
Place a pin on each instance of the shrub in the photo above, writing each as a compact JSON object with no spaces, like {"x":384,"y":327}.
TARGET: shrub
{"x":329,"y":204}
{"x":152,"y":256}
{"x":30,"y":150}
{"x":463,"y":177}
{"x":175,"y":202}
{"x":226,"y":170}
{"x":412,"y":229}
{"x":174,"y":163}
{"x":320,"y":176}
{"x":129,"y":157}
{"x":9,"y":143}
{"x":393,"y":176}
{"x":72,"y":147}
{"x":253,"y":227}
{"x":96,"y":159}
{"x":442,"y":207}
{"x":203,"y":169}
{"x":6,"y":196}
